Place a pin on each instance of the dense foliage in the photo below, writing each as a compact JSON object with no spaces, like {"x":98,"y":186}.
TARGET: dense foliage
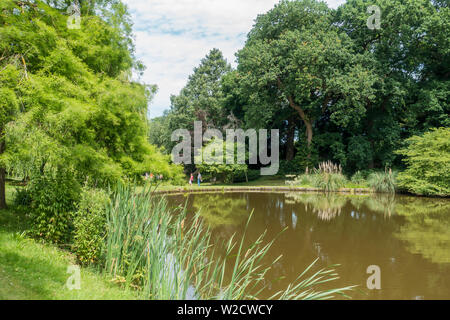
{"x":89,"y":226}
{"x":53,"y":202}
{"x":212,"y":161}
{"x":80,"y":111}
{"x":335,"y":89}
{"x":428,"y":164}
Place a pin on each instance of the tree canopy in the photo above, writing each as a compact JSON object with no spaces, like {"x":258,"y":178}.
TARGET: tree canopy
{"x":336,"y":89}
{"x":79,"y":108}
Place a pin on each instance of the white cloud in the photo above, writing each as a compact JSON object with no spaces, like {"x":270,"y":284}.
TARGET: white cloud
{"x":172,"y":36}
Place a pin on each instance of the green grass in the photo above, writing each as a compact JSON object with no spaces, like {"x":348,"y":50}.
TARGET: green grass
{"x":271,"y":181}
{"x":33,"y":271}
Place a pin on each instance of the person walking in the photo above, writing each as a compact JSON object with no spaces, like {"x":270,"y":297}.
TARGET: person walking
{"x":199,"y":178}
{"x":191,"y":179}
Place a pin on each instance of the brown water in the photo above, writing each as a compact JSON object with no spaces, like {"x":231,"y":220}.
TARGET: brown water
{"x":407,"y":237}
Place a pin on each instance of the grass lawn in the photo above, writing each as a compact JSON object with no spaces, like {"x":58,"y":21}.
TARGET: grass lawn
{"x":33,"y":271}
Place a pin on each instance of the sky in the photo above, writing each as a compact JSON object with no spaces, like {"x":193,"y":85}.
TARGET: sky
{"x":172,"y":36}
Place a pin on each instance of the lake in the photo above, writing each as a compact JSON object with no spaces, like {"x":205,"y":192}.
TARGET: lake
{"x":407,"y":237}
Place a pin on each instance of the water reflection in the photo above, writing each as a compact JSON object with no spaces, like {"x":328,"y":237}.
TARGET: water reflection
{"x":427,"y":230}
{"x":218,"y":210}
{"x":325,"y":206}
{"x":409,"y":238}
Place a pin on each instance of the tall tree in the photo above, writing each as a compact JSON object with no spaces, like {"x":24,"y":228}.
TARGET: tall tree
{"x":81,"y":111}
{"x":412,"y":63}
{"x":201,"y":98}
{"x":294,"y":58}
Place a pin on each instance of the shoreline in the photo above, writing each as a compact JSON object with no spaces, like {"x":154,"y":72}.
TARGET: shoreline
{"x":192,"y":190}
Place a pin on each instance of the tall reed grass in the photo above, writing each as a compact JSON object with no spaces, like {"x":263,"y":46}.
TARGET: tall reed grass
{"x":383,"y":182}
{"x":327,"y":177}
{"x":171,"y":256}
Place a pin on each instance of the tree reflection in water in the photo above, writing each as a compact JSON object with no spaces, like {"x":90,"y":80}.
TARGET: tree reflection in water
{"x":326,"y":206}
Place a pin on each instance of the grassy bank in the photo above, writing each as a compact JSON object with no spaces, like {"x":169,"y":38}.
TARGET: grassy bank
{"x":264,"y":184}
{"x":34,"y":271}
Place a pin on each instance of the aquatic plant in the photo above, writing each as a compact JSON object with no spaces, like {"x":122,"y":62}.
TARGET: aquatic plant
{"x":327,"y":177}
{"x":329,"y":181}
{"x":358,"y":178}
{"x":383,"y":182}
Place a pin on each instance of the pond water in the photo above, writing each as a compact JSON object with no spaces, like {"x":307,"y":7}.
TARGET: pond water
{"x":407,"y":237}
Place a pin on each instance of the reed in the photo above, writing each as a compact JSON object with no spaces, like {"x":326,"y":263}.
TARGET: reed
{"x":327,"y":177}
{"x":171,"y":256}
{"x":383,"y":182}
{"x":329,"y":182}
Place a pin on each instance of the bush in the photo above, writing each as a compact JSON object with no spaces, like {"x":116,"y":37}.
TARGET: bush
{"x":302,"y":180}
{"x":53,"y":200}
{"x":90,"y":225}
{"x":22,"y":198}
{"x":358,"y":178}
{"x":427,"y":159}
{"x":290,"y":167}
{"x":212,"y":163}
{"x":383,"y":182}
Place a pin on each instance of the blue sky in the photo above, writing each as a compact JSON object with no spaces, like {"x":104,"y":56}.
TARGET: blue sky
{"x":172,"y":36}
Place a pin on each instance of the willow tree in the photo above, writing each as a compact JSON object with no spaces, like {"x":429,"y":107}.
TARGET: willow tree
{"x":9,"y":106}
{"x":80,"y":109}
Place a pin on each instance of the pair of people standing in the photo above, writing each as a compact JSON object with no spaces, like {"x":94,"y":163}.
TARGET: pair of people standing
{"x":199,"y":179}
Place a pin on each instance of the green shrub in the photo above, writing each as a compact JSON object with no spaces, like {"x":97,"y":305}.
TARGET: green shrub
{"x":302,"y":180}
{"x":252,"y":175}
{"x":383,"y":182}
{"x":427,"y":159}
{"x":358,"y":178}
{"x":54,"y":197}
{"x":290,"y":167}
{"x":22,"y":198}
{"x":90,"y":225}
{"x":214,"y":164}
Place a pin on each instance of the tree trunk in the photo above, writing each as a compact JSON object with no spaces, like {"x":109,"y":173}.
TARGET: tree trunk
{"x":309,"y":132}
{"x":290,"y":152}
{"x":2,"y":180}
{"x":306,"y":120}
